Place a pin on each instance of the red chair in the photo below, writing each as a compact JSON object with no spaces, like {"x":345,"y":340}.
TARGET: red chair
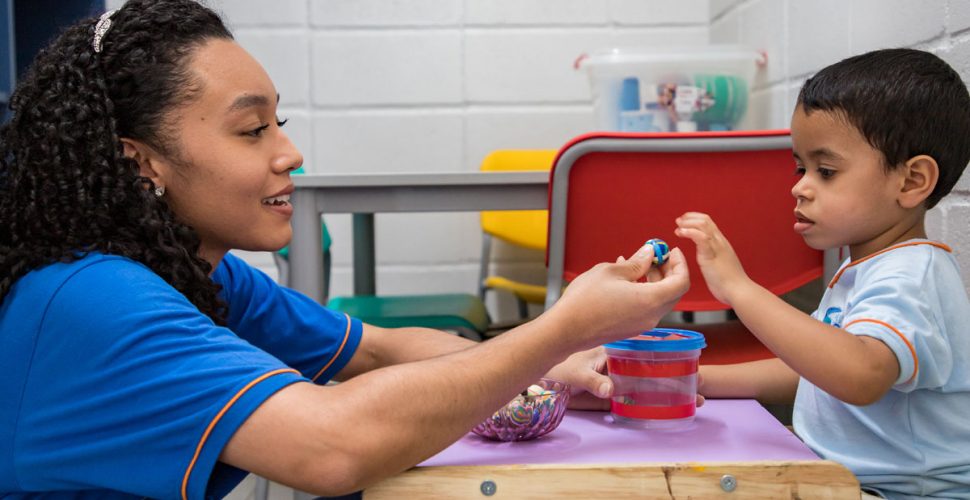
{"x":610,"y":192}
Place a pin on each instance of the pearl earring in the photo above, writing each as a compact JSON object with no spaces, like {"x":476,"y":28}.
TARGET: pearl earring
{"x":160,"y":191}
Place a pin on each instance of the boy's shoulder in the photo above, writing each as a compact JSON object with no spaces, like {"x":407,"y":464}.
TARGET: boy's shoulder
{"x":913,"y":260}
{"x":914,"y":272}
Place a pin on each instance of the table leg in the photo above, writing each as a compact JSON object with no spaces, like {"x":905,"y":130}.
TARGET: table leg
{"x":365,"y":282}
{"x":306,"y":253}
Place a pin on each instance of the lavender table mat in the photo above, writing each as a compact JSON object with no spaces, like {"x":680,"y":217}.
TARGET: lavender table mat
{"x":723,"y":430}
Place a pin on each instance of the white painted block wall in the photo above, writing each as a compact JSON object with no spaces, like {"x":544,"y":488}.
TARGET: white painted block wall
{"x":802,"y":37}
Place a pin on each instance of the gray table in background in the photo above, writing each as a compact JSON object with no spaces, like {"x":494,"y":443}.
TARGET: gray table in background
{"x":366,"y":194}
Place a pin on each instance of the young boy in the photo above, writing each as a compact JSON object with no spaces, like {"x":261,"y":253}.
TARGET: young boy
{"x":882,"y":368}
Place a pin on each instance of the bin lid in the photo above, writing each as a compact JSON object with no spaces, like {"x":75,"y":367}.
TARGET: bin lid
{"x":700,"y":53}
{"x":661,"y":340}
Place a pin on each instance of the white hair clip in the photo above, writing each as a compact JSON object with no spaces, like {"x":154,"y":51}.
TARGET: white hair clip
{"x":101,"y":29}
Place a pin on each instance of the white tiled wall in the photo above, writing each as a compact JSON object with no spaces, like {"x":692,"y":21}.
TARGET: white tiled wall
{"x":387,"y":69}
{"x":958,"y":16}
{"x":802,"y":37}
{"x":877,"y":24}
{"x":384,"y":14}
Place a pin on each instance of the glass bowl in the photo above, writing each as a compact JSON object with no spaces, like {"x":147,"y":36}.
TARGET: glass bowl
{"x":528,"y":416}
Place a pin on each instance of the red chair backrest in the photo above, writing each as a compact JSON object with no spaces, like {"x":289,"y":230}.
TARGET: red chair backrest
{"x":621,"y":191}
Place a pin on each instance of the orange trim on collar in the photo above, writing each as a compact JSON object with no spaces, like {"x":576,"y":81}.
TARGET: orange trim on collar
{"x":339,"y":350}
{"x":838,"y":275}
{"x":212,"y":424}
{"x":912,"y":350}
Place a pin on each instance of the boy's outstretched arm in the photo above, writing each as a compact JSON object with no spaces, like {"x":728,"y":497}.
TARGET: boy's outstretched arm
{"x":767,"y":380}
{"x":855,"y":369}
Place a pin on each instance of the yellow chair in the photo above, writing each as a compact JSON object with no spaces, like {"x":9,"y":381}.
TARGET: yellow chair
{"x":523,"y":228}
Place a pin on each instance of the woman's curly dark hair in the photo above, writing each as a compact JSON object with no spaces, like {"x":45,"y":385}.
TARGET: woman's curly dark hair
{"x":66,"y":189}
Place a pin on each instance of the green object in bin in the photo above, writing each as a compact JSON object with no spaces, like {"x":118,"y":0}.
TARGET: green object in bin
{"x":454,"y":311}
{"x":730,"y":94}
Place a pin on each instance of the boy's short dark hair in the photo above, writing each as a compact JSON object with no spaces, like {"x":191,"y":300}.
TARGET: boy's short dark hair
{"x":905,"y":102}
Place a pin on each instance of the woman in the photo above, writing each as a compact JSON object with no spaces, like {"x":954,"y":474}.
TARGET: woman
{"x":142,"y":359}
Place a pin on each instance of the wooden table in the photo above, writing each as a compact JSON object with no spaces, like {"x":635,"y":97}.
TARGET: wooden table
{"x":734,"y":449}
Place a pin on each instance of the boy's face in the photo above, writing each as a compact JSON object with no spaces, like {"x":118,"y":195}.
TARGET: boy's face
{"x":844,"y":195}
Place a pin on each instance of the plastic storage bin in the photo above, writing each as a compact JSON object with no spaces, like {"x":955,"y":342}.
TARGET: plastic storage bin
{"x":655,"y":378}
{"x":670,"y":90}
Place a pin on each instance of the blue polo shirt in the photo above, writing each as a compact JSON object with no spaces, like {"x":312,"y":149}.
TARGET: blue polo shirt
{"x":116,"y":386}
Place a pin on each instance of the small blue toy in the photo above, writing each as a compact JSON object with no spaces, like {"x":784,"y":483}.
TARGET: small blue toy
{"x":660,"y":250}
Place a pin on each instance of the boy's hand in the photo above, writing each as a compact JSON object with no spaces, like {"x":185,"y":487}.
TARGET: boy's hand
{"x":719,"y":264}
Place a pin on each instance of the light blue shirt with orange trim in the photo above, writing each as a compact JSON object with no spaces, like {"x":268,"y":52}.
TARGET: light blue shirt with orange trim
{"x":116,"y":386}
{"x":915,"y":441}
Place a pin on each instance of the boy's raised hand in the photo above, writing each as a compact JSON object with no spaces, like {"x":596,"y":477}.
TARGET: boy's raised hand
{"x":719,"y":264}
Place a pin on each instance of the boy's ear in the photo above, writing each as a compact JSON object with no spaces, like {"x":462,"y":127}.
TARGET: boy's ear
{"x":920,"y":175}
{"x":145,"y":157}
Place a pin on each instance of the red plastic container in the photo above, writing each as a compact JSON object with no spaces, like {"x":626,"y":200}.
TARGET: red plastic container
{"x":655,"y":378}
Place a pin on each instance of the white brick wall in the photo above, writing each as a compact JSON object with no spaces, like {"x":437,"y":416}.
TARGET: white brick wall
{"x":384,"y":13}
{"x":387,"y":68}
{"x":822,"y":32}
{"x":536,"y":12}
{"x":659,"y":12}
{"x":527,"y":66}
{"x":879,"y":24}
{"x":388,"y":140}
{"x":958,"y":18}
{"x":814,"y":51}
{"x":956,"y":213}
{"x":957,"y":53}
{"x":292,"y":81}
{"x":762,"y":26}
{"x":717,"y":8}
{"x":488,"y":128}
{"x":275,"y":14}
{"x":725,"y":26}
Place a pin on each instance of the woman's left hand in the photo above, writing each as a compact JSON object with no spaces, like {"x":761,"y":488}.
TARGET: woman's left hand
{"x":585,"y":372}
{"x":590,"y":386}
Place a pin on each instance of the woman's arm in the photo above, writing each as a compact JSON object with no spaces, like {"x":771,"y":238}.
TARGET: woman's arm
{"x":335,"y":439}
{"x":380,"y":347}
{"x":769,"y":381}
{"x":332,"y":440}
{"x":584,"y":371}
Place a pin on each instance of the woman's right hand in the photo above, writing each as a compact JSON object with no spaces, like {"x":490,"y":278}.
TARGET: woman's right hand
{"x":608,"y":302}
